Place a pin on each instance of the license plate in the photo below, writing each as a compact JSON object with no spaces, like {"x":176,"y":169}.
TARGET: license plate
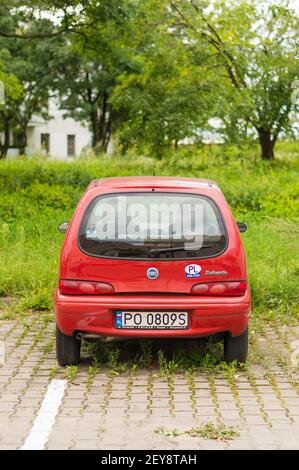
{"x":151,"y":320}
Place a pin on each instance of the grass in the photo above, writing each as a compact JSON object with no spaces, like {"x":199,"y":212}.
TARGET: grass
{"x":37,"y":194}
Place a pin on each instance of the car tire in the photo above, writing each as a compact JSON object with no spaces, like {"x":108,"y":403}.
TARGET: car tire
{"x":67,"y":349}
{"x":236,"y":347}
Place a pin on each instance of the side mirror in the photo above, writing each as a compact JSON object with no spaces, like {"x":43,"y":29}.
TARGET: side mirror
{"x":63,"y":227}
{"x":242,"y":227}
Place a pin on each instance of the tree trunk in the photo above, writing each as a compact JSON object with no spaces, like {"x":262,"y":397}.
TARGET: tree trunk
{"x":23,"y":140}
{"x":5,"y":145}
{"x":103,"y":121}
{"x":267,"y":144}
{"x":94,"y":118}
{"x":107,"y":129}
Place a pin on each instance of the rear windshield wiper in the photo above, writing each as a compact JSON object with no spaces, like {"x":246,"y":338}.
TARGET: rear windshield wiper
{"x":177,"y":248}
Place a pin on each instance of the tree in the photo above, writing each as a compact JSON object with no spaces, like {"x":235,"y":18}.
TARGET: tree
{"x":256,"y":45}
{"x":88,"y":65}
{"x":156,"y":71}
{"x":31,"y":62}
{"x":12,"y":92}
{"x":168,"y":95}
{"x":69,"y":15}
{"x":84,"y":85}
{"x":166,"y":101}
{"x":84,"y":39}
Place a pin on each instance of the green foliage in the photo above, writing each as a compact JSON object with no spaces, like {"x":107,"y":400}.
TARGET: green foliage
{"x":254,"y":45}
{"x":86,"y":80}
{"x":12,"y":87}
{"x":237,"y":61}
{"x":165,"y":98}
{"x":153,"y":72}
{"x":28,"y":66}
{"x":11,"y":92}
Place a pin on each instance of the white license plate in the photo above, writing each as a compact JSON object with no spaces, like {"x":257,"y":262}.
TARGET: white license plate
{"x":151,"y":320}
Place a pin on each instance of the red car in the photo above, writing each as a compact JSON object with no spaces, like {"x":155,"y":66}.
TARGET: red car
{"x":157,"y":257}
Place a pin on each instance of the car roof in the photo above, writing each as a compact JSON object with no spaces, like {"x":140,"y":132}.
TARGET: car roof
{"x":153,"y":181}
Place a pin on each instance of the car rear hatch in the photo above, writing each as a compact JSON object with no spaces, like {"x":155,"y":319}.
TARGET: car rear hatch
{"x":156,"y":242}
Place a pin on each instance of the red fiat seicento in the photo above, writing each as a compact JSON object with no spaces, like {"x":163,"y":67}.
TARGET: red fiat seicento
{"x":157,"y":257}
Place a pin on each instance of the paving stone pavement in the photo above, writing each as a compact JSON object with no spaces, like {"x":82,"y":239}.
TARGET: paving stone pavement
{"x":105,"y":409}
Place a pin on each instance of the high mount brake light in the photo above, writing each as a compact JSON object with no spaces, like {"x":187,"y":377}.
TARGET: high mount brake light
{"x":85,"y":287}
{"x":219,"y":288}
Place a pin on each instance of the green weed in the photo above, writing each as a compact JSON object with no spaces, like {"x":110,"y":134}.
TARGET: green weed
{"x":219,"y":432}
{"x":166,"y":367}
{"x":208,"y":430}
{"x":53,"y":372}
{"x":71,"y":372}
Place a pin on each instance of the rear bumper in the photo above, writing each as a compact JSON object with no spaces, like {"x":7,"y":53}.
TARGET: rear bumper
{"x":96,"y":314}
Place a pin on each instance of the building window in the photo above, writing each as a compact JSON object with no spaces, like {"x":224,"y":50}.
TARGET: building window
{"x":45,"y":142}
{"x":16,"y":140}
{"x":71,"y":145}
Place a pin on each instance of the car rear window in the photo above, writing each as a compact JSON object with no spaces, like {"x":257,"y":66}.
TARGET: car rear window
{"x":152,"y":225}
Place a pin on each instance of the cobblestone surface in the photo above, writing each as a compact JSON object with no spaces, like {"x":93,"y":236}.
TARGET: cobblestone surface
{"x":104,"y":409}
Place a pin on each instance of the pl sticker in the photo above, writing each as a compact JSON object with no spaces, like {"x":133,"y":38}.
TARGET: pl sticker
{"x":192,"y":270}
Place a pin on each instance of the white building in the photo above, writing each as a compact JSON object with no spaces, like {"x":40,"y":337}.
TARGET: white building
{"x":59,"y":137}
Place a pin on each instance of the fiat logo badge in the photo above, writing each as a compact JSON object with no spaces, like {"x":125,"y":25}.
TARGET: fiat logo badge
{"x":152,"y":273}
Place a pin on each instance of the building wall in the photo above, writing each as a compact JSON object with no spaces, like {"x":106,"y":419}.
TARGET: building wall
{"x":58,"y":129}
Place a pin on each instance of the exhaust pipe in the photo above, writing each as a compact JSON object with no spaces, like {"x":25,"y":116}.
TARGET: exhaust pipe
{"x":104,"y":339}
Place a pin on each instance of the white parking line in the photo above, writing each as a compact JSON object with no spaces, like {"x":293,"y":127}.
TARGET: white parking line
{"x":45,"y":419}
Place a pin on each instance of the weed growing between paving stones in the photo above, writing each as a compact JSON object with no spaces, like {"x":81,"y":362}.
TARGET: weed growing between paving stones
{"x":71,"y":372}
{"x":169,"y":432}
{"x":219,"y":432}
{"x":231,"y":370}
{"x":125,"y":356}
{"x":53,"y":372}
{"x":146,"y":357}
{"x":48,"y":347}
{"x":167,"y":367}
{"x":91,"y":374}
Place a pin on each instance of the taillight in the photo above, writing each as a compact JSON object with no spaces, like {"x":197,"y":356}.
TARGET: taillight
{"x":219,"y":288}
{"x":85,"y":287}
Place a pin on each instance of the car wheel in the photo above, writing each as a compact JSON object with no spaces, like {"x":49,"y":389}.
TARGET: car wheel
{"x":67,"y":349}
{"x":236,"y":348}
